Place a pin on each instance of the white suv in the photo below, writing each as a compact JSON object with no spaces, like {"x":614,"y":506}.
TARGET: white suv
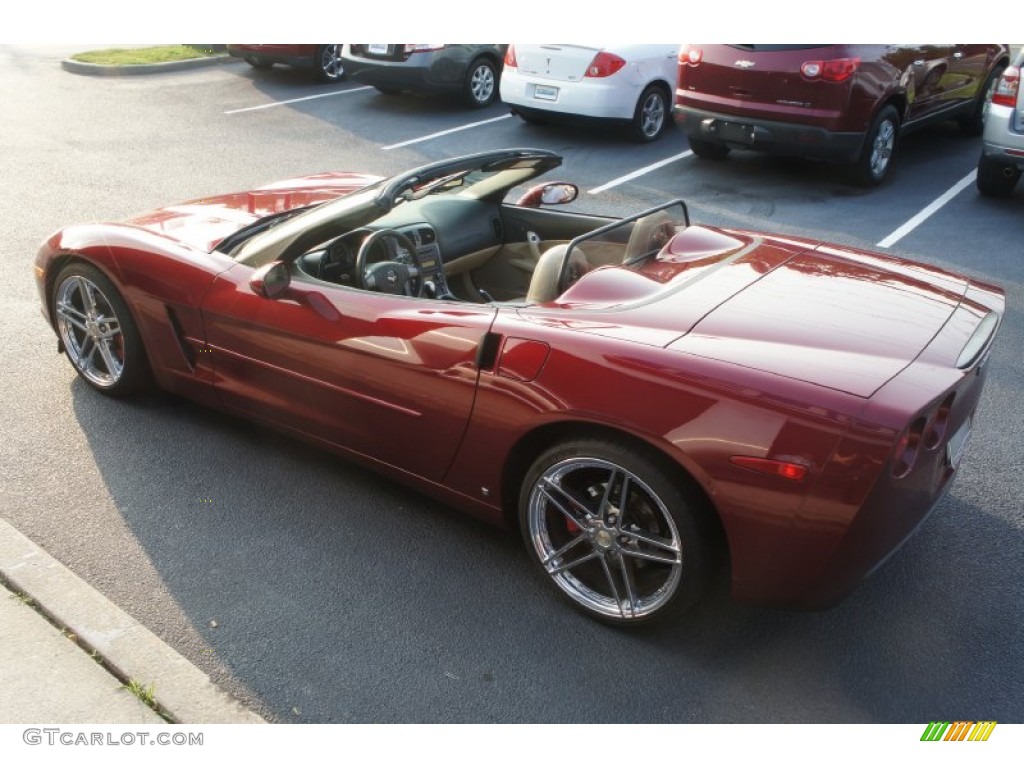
{"x":1002,"y":152}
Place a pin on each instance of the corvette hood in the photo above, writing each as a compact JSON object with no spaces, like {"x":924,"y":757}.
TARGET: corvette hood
{"x":205,"y":222}
{"x":843,"y":319}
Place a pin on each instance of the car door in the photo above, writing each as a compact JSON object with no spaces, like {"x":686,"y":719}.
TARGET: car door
{"x":924,"y":73}
{"x":389,"y":377}
{"x":969,"y":66}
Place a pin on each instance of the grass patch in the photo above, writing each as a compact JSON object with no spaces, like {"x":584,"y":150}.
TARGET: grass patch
{"x":142,"y":693}
{"x":156,"y":54}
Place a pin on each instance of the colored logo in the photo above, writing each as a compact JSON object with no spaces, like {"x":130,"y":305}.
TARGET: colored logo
{"x":959,"y":731}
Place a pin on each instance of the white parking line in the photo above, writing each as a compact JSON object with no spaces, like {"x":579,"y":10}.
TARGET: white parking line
{"x":640,"y":172}
{"x":934,"y":206}
{"x":292,"y":101}
{"x":467,"y":126}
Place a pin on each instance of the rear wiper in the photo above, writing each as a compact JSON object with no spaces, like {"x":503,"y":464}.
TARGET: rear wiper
{"x":235,"y":239}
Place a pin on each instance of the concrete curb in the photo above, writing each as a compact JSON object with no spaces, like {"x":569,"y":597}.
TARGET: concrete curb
{"x":182,"y":690}
{"x":107,"y":70}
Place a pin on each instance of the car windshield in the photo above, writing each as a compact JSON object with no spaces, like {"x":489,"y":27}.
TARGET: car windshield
{"x":485,"y":176}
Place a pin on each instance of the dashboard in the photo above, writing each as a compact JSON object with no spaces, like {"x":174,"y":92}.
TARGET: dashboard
{"x":440,"y":229}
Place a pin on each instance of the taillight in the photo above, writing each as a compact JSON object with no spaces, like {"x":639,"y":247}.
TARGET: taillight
{"x":905,"y":454}
{"x":605,"y":64}
{"x":510,"y":57}
{"x":833,"y":70}
{"x":690,"y":55}
{"x":422,"y":47}
{"x":1006,"y":91}
{"x":935,"y":431}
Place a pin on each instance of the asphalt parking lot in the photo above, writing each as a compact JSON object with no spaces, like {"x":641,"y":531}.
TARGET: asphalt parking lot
{"x":316,"y":592}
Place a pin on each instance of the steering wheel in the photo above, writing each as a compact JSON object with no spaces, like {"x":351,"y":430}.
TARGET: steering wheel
{"x":389,"y":276}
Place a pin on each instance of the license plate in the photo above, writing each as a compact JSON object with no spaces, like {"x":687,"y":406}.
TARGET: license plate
{"x":378,"y":48}
{"x":958,"y":444}
{"x":546,"y":92}
{"x":734,"y":132}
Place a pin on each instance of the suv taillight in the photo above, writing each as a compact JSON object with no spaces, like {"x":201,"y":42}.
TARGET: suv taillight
{"x":605,"y":64}
{"x":833,"y":70}
{"x":1006,"y":91}
{"x":510,"y":57}
{"x":690,"y":55}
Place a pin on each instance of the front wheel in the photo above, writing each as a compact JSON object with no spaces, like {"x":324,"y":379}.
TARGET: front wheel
{"x":651,"y":115}
{"x":329,"y":68}
{"x":481,"y":86}
{"x":97,"y":331}
{"x":879,"y":152}
{"x":618,"y":537}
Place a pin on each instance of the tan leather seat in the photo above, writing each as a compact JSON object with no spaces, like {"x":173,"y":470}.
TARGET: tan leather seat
{"x":544,"y":285}
{"x":649,"y":235}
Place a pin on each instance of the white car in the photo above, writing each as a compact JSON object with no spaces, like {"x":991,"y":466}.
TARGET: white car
{"x":631,"y":84}
{"x":1002,"y":150}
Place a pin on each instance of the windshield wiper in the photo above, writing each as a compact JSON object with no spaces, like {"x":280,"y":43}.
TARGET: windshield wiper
{"x":235,"y":239}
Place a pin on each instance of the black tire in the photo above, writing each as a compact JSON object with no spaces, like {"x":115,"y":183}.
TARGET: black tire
{"x":708,"y":150}
{"x":257,"y":62}
{"x":877,"y":156}
{"x":97,"y":331}
{"x":533,"y":119}
{"x":973,"y":124}
{"x":480,"y":88}
{"x":649,"y":558}
{"x":327,"y":65}
{"x":996,"y":179}
{"x":651,"y":116}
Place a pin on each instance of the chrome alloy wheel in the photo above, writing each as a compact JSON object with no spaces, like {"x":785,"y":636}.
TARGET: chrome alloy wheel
{"x":882,"y":148}
{"x":481,"y":83}
{"x":652,"y":114}
{"x":605,"y":538}
{"x":331,"y":67}
{"x":90,"y":331}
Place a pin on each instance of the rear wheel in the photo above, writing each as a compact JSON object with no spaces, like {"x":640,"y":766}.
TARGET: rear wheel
{"x":709,"y":150}
{"x":974,"y":123}
{"x":651,"y":115}
{"x":610,"y":528}
{"x":481,"y":86}
{"x":97,"y":331}
{"x":879,"y":152}
{"x":329,"y":68}
{"x":996,"y":179}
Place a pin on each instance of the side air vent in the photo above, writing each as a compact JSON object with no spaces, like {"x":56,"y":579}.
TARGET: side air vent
{"x":499,"y":231}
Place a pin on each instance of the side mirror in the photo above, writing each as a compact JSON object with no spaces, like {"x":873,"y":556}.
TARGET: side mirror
{"x":556,"y":193}
{"x":559,"y":193}
{"x":271,"y":280}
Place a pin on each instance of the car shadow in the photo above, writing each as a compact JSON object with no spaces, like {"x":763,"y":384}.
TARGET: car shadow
{"x":318,"y":592}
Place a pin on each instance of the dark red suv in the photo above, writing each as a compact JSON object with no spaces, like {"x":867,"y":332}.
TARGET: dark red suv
{"x":847,"y":103}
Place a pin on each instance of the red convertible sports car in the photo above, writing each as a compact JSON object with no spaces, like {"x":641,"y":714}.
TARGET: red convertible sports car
{"x":645,"y":399}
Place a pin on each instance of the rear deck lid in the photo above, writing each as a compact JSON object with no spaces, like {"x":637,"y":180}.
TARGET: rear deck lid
{"x":556,"y":62}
